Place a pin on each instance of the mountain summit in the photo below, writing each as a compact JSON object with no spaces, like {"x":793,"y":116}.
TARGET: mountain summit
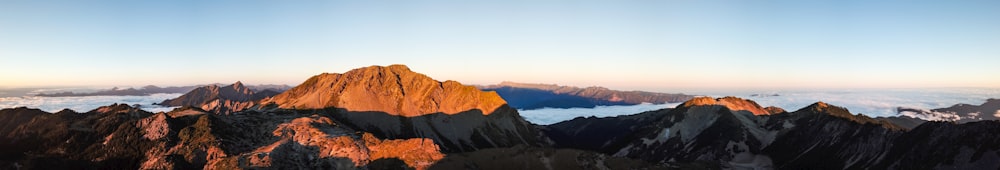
{"x":391,"y":89}
{"x":224,"y":99}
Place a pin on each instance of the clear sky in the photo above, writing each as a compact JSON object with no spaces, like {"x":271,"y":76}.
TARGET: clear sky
{"x":645,"y":45}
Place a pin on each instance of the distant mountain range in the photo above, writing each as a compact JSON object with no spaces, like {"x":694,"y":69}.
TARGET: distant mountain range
{"x":724,"y":135}
{"x":535,"y":96}
{"x":151,"y":89}
{"x":223,"y":100}
{"x":389,"y":117}
{"x":990,"y":110}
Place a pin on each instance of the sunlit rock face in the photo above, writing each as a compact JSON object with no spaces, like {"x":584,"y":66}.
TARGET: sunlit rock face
{"x":390,"y":89}
{"x":123,"y":137}
{"x":394,"y":102}
{"x":733,"y":103}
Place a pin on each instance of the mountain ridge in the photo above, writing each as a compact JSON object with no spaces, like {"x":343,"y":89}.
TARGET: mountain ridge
{"x":534,"y":96}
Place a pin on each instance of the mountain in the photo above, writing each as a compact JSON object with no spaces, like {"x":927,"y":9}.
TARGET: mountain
{"x":394,"y":102}
{"x":144,"y":91}
{"x":730,"y":133}
{"x":962,"y":113}
{"x":414,"y":122}
{"x":151,"y":89}
{"x":222,"y":100}
{"x":959,"y":113}
{"x":536,"y":96}
{"x":121,"y":137}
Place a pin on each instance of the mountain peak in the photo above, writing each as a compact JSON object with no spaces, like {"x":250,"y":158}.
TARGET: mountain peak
{"x":733,"y":103}
{"x":397,"y":67}
{"x":823,"y":107}
{"x":393,"y":89}
{"x":238,"y":85}
{"x":819,"y":106}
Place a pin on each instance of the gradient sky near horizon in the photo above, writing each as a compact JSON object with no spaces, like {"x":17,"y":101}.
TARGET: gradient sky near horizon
{"x":644,"y":45}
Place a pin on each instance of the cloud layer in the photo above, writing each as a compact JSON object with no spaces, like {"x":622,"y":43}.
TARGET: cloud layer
{"x":546,"y":116}
{"x":871,"y":102}
{"x":83,"y":104}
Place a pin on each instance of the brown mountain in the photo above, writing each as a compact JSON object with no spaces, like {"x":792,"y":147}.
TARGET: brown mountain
{"x":396,"y":103}
{"x":369,"y":118}
{"x":536,"y":96}
{"x":222,"y":100}
{"x":392,"y":89}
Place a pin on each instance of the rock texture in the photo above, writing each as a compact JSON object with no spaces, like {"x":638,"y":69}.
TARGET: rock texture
{"x":122,"y":137}
{"x":394,"y":102}
{"x":727,"y":133}
{"x":222,"y":100}
{"x":391,"y":89}
{"x":735,"y":104}
{"x":535,"y":96}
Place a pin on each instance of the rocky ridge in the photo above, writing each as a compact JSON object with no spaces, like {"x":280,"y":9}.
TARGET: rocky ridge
{"x":224,"y":100}
{"x":713,"y":132}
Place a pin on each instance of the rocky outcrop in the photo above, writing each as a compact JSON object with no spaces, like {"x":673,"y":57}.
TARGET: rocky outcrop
{"x":393,"y":102}
{"x":330,"y":141}
{"x":394,"y":90}
{"x":122,"y":137}
{"x":735,"y":104}
{"x":708,"y":131}
{"x":535,"y":96}
{"x":222,"y":100}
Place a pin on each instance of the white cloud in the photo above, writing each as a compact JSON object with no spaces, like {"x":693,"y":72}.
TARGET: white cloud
{"x":932,"y":116}
{"x":546,"y":116}
{"x":87,"y":103}
{"x":997,"y":114}
{"x":871,"y":102}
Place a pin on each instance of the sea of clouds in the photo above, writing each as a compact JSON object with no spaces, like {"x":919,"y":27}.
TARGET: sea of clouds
{"x":87,"y":103}
{"x":546,"y":116}
{"x":871,"y":102}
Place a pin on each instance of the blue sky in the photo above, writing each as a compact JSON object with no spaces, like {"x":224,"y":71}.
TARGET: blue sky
{"x":647,"y":45}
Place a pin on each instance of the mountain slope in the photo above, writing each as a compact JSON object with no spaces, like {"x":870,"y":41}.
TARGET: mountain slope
{"x":535,"y":96}
{"x":222,"y":100}
{"x":394,"y":102}
{"x":121,"y":137}
{"x":706,"y":131}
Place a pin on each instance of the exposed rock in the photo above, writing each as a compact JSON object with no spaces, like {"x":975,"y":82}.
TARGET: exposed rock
{"x":222,"y":100}
{"x":392,"y":89}
{"x":395,"y":103}
{"x":732,"y":103}
{"x":418,"y":153}
{"x":705,"y":131}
